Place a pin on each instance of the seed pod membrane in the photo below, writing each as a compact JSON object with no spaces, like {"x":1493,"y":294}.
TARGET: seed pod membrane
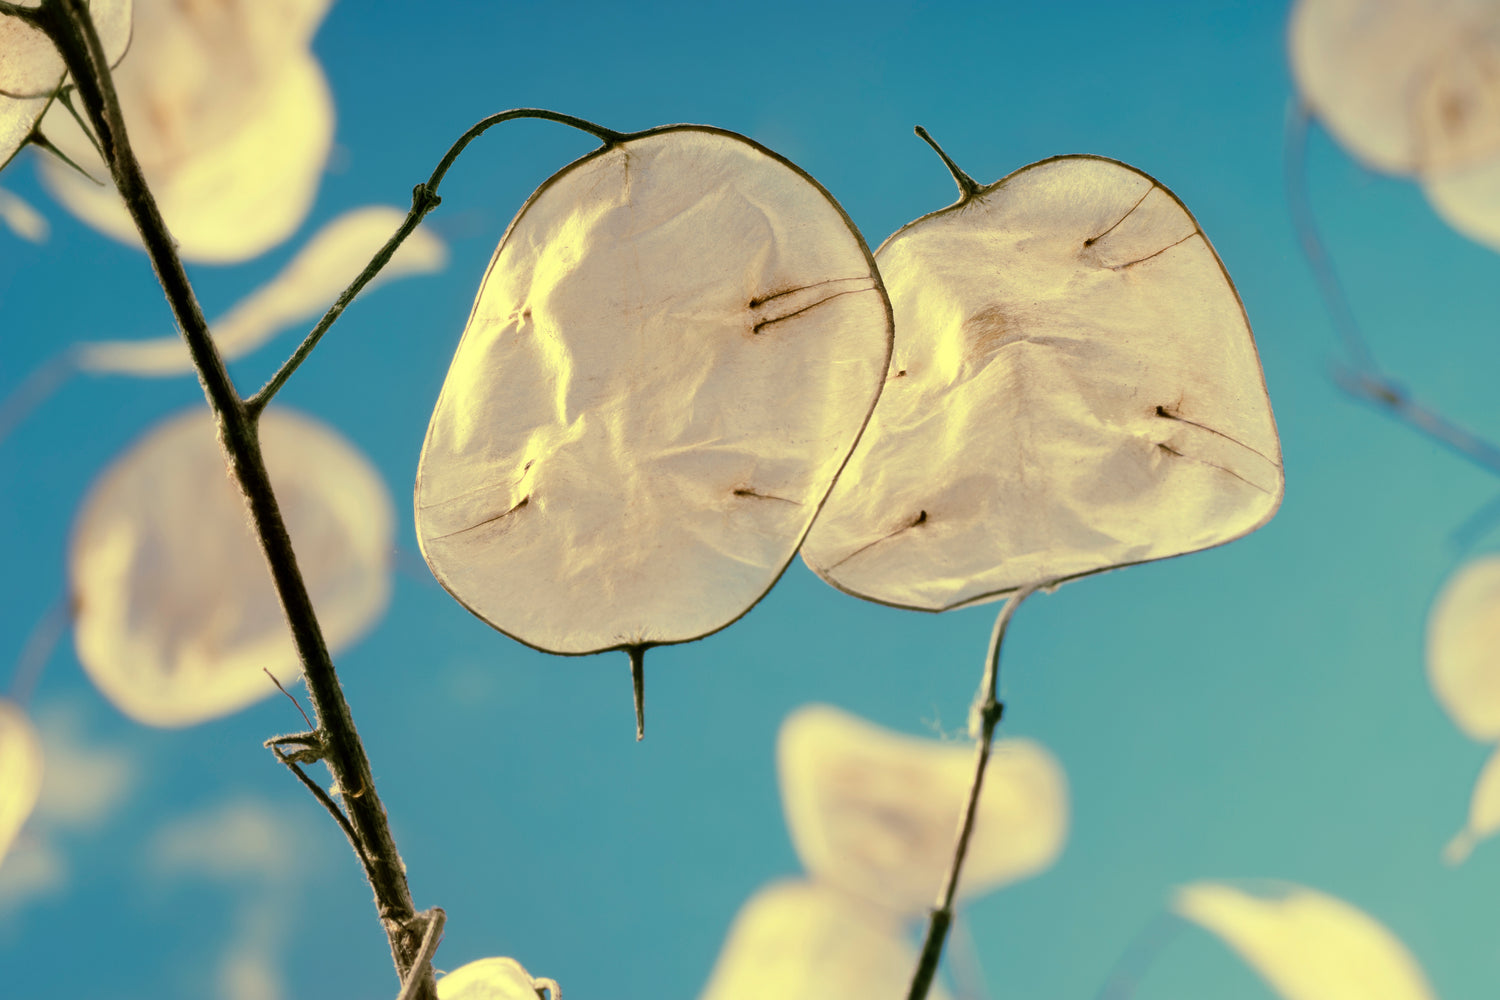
{"x":1463,"y":648}
{"x":176,"y":614}
{"x":805,"y":941}
{"x":1407,"y":86}
{"x":490,"y":979}
{"x":1307,"y":945}
{"x":1484,"y":814}
{"x":1074,"y":388}
{"x":676,"y":345}
{"x":20,"y":771}
{"x":873,"y":812}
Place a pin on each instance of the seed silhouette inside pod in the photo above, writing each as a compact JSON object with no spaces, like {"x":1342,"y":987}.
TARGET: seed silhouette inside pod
{"x":807,"y":941}
{"x":676,"y":345}
{"x":1305,"y":944}
{"x":1074,"y":388}
{"x":176,"y":614}
{"x":20,"y":771}
{"x":873,"y":812}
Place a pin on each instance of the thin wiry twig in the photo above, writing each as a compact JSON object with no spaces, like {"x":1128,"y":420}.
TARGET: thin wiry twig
{"x":295,"y":703}
{"x":985,"y":717}
{"x":424,"y":198}
{"x":327,"y":802}
{"x":1363,"y":377}
{"x":1131,"y":967}
{"x":38,"y":649}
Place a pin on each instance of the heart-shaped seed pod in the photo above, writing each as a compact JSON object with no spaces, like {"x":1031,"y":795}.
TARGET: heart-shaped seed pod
{"x":31,"y":70}
{"x":232,"y":121}
{"x":176,"y":616}
{"x":676,"y":345}
{"x":1074,"y":388}
{"x":1307,"y":945}
{"x":1463,"y":648}
{"x":873,"y":812}
{"x":20,"y":771}
{"x":806,"y":941}
{"x":1406,"y":86}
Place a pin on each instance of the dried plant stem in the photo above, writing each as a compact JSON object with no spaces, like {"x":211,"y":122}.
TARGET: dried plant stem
{"x":984,"y":718}
{"x":67,"y":23}
{"x":1363,"y":377}
{"x":424,"y":198}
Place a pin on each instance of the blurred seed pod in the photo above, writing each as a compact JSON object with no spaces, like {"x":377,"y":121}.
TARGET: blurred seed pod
{"x":20,"y":771}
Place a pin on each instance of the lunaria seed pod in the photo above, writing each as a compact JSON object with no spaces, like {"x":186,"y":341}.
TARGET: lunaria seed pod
{"x":176,"y":616}
{"x":1074,"y":388}
{"x":20,"y":771}
{"x":676,"y":345}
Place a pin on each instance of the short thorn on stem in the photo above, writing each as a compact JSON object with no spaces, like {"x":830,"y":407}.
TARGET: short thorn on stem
{"x":638,"y":683}
{"x":967,"y":186}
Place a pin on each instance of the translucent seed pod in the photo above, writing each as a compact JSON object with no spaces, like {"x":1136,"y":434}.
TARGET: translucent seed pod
{"x":874,"y":812}
{"x":1307,"y":945}
{"x":1406,"y":86}
{"x":1074,"y":388}
{"x":31,"y":70}
{"x":1484,"y":814}
{"x":676,"y":345}
{"x":805,"y":941}
{"x":231,"y":118}
{"x":20,"y":771}
{"x":1463,"y":648}
{"x":176,"y":616}
{"x":494,"y":979}
{"x":304,"y":288}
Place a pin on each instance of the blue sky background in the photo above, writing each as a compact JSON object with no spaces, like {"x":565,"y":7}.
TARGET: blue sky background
{"x":1256,"y":711}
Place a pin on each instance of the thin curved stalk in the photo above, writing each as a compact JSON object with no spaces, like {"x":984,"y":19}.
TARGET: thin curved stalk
{"x":67,"y":23}
{"x":424,"y":198}
{"x":983,"y":720}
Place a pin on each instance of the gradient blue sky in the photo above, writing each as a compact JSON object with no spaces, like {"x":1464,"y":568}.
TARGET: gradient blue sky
{"x":1256,"y":711}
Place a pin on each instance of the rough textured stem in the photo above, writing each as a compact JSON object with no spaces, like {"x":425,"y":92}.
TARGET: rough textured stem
{"x":424,"y":198}
{"x":985,"y":718}
{"x":67,"y":22}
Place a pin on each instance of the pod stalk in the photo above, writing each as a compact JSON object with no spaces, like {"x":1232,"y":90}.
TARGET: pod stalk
{"x":638,"y":683}
{"x":968,"y":187}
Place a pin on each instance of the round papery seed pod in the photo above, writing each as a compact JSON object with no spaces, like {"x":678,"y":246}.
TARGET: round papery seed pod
{"x":674,"y":349}
{"x":1305,"y":944}
{"x":176,"y":615}
{"x":1463,"y":648}
{"x":1406,"y":86}
{"x":1074,"y":388}
{"x":493,"y":979}
{"x":20,"y":771}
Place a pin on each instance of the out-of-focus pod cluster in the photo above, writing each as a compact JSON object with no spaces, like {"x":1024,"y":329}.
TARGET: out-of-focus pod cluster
{"x":1463,"y":667}
{"x":31,"y":71}
{"x":176,"y":618}
{"x":872,"y":815}
{"x":230,"y":116}
{"x":1411,"y":87}
{"x":20,"y":771}
{"x":1306,"y":945}
{"x":495,"y":979}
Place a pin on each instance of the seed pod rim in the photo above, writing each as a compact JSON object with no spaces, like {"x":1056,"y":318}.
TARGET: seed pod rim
{"x":616,"y":140}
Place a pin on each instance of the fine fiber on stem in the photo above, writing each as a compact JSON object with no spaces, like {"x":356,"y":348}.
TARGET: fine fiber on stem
{"x":983,"y":720}
{"x":424,"y":198}
{"x":68,"y":24}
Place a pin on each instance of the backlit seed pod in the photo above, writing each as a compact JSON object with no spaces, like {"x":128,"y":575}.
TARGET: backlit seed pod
{"x":20,"y":771}
{"x":1463,"y":648}
{"x":493,"y":979}
{"x":1484,"y":814}
{"x":874,"y":812}
{"x":230,"y":116}
{"x":676,"y":345}
{"x":1407,"y":86}
{"x":806,"y":941}
{"x":1306,"y":945}
{"x":308,"y":284}
{"x":176,"y":616}
{"x":31,"y":69}
{"x":1074,"y":388}
{"x":1468,"y":199}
